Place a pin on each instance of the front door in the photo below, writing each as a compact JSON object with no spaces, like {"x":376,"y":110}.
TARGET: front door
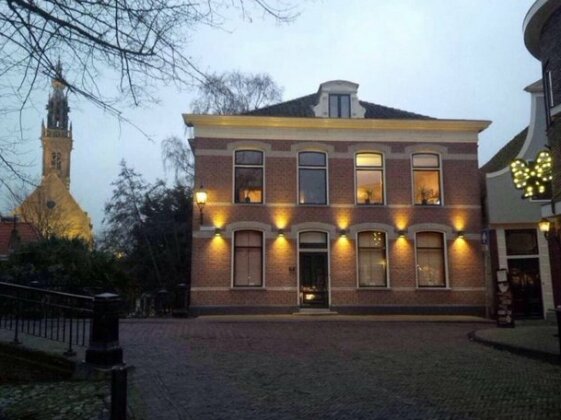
{"x":525,"y":281}
{"x":314,"y":279}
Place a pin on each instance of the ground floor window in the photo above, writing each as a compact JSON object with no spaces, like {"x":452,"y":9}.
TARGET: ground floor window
{"x":431,"y":263}
{"x":372,"y":263}
{"x":248,"y":258}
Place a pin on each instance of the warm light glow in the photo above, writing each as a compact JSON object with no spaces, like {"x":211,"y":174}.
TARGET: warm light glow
{"x":544,"y":226}
{"x":281,"y":218}
{"x":401,"y":221}
{"x":201,"y":197}
{"x":343,"y":219}
{"x":460,"y":234}
{"x":309,"y":296}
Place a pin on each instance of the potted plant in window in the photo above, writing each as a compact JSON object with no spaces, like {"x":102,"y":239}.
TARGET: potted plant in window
{"x":368,"y":194}
{"x":425,"y":194}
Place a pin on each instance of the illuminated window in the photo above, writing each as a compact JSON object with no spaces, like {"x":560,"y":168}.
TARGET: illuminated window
{"x":339,"y":106}
{"x":431,"y":269}
{"x":56,"y":160}
{"x":248,"y":176}
{"x":369,"y":178}
{"x":372,"y":263}
{"x":426,"y":179}
{"x":248,"y":258}
{"x":312,"y":178}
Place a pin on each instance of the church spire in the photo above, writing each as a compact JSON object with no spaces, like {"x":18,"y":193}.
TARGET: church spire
{"x":57,"y":107}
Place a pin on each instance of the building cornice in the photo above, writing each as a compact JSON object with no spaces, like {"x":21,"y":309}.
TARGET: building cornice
{"x":239,"y":121}
{"x":534,"y":22}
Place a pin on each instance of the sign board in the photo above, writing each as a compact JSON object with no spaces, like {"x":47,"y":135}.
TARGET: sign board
{"x":505,"y":318}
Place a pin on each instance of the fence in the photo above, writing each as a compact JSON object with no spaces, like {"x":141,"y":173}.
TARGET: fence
{"x":43,"y":313}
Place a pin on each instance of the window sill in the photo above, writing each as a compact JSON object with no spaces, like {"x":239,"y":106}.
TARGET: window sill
{"x":249,"y":204}
{"x":428,"y":205}
{"x":312,"y":205}
{"x":252,"y":288}
{"x":435,"y":288}
{"x":374,"y":288}
{"x":369,"y":204}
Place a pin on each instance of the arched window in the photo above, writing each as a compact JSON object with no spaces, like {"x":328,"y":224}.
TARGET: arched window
{"x":248,"y":174}
{"x":372,"y":262}
{"x":56,"y":160}
{"x":426,"y":179}
{"x":312,"y":178}
{"x":431,"y":262}
{"x":248,"y":258}
{"x":369,"y":178}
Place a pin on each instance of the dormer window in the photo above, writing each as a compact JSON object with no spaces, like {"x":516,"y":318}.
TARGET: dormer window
{"x":339,"y":105}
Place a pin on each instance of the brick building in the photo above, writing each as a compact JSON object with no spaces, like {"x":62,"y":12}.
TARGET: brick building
{"x":327,"y":201}
{"x":542,"y":35}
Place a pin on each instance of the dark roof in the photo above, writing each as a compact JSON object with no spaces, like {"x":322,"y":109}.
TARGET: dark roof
{"x":302,"y":107}
{"x":507,"y":154}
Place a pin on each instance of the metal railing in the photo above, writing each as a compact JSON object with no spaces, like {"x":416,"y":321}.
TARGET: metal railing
{"x":47,"y":314}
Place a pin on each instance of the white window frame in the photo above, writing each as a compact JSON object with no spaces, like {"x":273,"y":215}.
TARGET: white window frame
{"x":249,"y":149}
{"x":388,"y":283}
{"x":440,"y":177}
{"x":327,"y":250}
{"x":233,"y":256}
{"x":298,"y":167}
{"x":445,"y":251}
{"x":383,"y":169}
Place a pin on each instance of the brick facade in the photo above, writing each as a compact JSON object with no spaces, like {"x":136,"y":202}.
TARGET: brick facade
{"x":212,"y":266}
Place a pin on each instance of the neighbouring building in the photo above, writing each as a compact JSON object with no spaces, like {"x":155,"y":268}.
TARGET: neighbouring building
{"x":51,"y":208}
{"x":542,"y":35}
{"x":14,"y":233}
{"x":515,"y":243}
{"x":327,"y":201}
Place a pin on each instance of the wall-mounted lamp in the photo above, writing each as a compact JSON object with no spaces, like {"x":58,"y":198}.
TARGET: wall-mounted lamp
{"x":201,"y":197}
{"x":343,"y":233}
{"x":217,"y":232}
{"x":401,"y":233}
{"x":460,"y":233}
{"x":545,"y":225}
{"x":280,"y":233}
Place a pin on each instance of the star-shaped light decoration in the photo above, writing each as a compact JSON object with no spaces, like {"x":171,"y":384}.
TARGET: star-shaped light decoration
{"x":533,"y":177}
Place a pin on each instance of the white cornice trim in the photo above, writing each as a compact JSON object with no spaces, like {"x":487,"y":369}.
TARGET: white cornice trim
{"x":196,"y":120}
{"x":534,"y":21}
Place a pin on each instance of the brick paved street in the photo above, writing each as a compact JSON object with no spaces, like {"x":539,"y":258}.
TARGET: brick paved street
{"x":203,"y":369}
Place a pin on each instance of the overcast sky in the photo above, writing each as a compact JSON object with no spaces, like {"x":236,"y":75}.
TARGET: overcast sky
{"x":453,"y":59}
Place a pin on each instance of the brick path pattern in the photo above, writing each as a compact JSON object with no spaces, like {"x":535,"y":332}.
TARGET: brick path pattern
{"x":201,"y":369}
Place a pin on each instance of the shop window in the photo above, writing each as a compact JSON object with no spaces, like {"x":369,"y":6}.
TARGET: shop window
{"x":372,"y":262}
{"x":248,"y":176}
{"x":431,"y":262}
{"x":248,"y":258}
{"x":426,"y":179}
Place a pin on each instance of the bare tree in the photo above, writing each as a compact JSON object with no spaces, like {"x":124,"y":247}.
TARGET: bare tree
{"x":142,"y":42}
{"x":42,"y":209}
{"x":235,"y":93}
{"x":177,"y":156}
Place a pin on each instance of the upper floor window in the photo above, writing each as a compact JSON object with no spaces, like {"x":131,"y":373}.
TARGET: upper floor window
{"x":56,"y":160}
{"x":248,"y":258}
{"x":372,"y":263}
{"x":369,"y":178}
{"x":426,"y":179}
{"x":339,"y":106}
{"x":312,"y":178}
{"x":431,"y":268}
{"x":248,"y":176}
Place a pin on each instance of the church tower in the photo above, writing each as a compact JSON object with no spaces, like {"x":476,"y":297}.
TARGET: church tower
{"x":56,"y":137}
{"x":51,"y":208}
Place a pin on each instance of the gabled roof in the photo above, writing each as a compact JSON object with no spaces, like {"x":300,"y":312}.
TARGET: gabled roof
{"x":507,"y":154}
{"x":25,"y":231}
{"x":302,"y":107}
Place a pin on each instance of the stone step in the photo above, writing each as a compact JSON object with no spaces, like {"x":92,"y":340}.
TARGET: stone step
{"x":315,"y":311}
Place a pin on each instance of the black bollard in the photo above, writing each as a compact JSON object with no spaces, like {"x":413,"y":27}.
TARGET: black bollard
{"x":104,"y":349}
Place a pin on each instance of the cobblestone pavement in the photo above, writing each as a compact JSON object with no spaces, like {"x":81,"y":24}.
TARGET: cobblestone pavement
{"x":203,"y":369}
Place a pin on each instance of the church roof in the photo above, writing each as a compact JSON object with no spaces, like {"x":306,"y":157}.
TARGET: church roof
{"x":303,"y":107}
